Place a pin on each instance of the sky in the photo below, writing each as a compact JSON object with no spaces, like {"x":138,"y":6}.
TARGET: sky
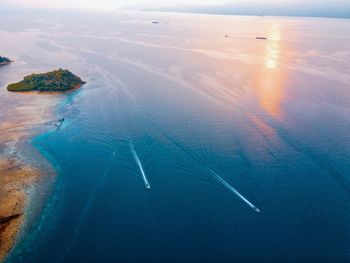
{"x":102,"y":4}
{"x":332,"y":8}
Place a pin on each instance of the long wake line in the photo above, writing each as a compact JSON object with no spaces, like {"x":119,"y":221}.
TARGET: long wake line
{"x":139,"y":164}
{"x":86,"y":209}
{"x":217,"y":177}
{"x":233,"y":190}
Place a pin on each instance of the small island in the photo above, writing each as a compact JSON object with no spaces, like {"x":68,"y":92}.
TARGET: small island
{"x":4,"y":61}
{"x":55,"y":81}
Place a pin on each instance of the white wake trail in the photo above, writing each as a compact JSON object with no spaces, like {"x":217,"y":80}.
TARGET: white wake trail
{"x":86,"y":210}
{"x":233,"y":190}
{"x":139,"y":164}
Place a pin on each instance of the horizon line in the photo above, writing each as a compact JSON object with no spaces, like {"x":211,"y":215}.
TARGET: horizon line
{"x":150,"y":10}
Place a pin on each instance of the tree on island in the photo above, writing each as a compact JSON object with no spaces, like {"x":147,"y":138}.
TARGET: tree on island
{"x":4,"y":61}
{"x":57,"y":80}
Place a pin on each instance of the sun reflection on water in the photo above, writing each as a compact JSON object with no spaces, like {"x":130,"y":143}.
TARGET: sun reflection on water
{"x":272,"y":48}
{"x":270,"y":78}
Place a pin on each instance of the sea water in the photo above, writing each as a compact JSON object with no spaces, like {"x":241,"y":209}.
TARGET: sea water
{"x":271,"y":118}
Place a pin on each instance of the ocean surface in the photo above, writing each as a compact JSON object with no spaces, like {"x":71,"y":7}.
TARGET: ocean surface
{"x":192,"y":140}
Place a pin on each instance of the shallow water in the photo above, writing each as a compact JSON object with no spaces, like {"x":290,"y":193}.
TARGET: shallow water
{"x":172,"y":105}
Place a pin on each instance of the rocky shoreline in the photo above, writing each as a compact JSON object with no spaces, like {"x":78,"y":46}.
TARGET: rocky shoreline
{"x":25,"y":117}
{"x":18,"y":125}
{"x":15,"y":177}
{"x":4,"y":61}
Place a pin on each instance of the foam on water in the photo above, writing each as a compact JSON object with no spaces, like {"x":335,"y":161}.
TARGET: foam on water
{"x":139,"y":164}
{"x":233,"y":190}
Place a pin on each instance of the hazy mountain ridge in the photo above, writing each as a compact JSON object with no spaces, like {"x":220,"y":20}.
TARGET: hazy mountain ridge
{"x":312,"y":9}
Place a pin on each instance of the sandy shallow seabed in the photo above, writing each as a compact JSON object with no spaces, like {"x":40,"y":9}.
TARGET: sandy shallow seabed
{"x":19,"y":123}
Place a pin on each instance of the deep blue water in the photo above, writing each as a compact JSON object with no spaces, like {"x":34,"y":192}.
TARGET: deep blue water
{"x":286,"y":154}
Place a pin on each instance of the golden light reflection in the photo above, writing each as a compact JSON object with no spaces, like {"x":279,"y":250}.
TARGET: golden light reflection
{"x":270,"y":78}
{"x":272,"y":48}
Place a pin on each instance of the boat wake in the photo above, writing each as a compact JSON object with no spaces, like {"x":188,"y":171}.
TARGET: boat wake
{"x":86,"y":209}
{"x":233,"y":190}
{"x":212,"y":172}
{"x":139,"y":164}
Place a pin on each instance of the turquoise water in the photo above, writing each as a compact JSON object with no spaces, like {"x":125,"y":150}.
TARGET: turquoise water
{"x":186,"y":146}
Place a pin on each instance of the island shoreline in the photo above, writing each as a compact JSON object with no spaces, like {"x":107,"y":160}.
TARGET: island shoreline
{"x":75,"y":88}
{"x":5,"y":63}
{"x":18,"y":174}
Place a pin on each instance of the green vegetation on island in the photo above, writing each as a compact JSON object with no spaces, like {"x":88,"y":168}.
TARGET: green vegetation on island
{"x":57,"y":80}
{"x":4,"y":61}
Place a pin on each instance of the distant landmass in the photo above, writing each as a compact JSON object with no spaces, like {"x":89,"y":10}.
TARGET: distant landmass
{"x":311,"y":8}
{"x":57,"y":80}
{"x":4,"y":61}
